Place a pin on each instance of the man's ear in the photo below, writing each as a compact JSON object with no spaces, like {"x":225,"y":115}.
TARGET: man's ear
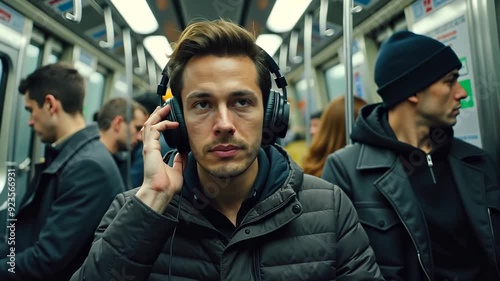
{"x":413,"y":98}
{"x":51,"y":103}
{"x":117,"y":123}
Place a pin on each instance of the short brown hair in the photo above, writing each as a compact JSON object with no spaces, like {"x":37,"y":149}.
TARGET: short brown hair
{"x":117,"y":107}
{"x":60,"y":80}
{"x":219,"y":38}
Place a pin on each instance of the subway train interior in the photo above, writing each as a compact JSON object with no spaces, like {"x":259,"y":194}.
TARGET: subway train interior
{"x":121,"y":47}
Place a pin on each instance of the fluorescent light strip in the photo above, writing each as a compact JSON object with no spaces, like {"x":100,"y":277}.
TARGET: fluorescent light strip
{"x":269,"y":42}
{"x":137,"y":14}
{"x":159,"y":48}
{"x":285,"y":14}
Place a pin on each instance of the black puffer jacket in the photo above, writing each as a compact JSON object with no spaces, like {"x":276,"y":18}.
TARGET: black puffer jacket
{"x":306,"y":230}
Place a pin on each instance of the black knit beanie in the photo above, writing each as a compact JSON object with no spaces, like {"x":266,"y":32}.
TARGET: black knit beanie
{"x":408,"y":63}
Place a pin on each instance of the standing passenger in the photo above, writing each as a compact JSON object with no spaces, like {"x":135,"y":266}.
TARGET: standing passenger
{"x":150,"y":101}
{"x":331,"y":134}
{"x":314,"y":123}
{"x":121,"y":132}
{"x":70,"y":191}
{"x":429,"y":202}
{"x":241,"y":210}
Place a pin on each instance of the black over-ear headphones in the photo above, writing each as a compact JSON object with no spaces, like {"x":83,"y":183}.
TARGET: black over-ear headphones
{"x":276,"y":112}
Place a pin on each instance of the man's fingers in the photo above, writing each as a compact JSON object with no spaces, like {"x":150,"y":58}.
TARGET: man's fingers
{"x":165,"y":125}
{"x":158,"y":115}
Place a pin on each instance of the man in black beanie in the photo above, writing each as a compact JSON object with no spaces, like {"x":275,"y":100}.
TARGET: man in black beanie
{"x":429,"y":202}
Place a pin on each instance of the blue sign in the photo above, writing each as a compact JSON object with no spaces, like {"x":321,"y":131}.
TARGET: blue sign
{"x":362,"y":2}
{"x":11,"y":18}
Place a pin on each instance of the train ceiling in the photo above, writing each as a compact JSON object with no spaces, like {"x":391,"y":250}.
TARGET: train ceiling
{"x":173,"y":15}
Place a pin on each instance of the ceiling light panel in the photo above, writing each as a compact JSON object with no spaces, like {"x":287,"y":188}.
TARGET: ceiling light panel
{"x":137,"y":14}
{"x":285,"y":14}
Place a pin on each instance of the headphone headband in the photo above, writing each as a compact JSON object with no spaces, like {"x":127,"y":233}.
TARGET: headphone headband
{"x":272,"y":66}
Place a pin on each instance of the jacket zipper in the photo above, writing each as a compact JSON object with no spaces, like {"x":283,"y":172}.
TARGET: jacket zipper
{"x":430,"y":164}
{"x":414,"y":243}
{"x":256,"y":267}
{"x":493,"y":236}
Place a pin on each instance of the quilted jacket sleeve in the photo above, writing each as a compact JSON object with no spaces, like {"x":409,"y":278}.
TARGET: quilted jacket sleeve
{"x":127,"y":242}
{"x":355,"y":257}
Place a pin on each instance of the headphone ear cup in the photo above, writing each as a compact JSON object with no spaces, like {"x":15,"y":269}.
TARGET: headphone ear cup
{"x":276,"y":117}
{"x":176,"y":138}
{"x":268,"y":136}
{"x":282,"y":115}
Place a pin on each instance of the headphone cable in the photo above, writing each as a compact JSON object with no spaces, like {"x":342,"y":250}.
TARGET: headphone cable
{"x":175,"y":228}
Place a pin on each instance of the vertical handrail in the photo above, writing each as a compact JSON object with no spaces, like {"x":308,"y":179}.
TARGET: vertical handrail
{"x":77,"y":12}
{"x":110,"y":30}
{"x":283,"y":59}
{"x":294,"y":42}
{"x":308,"y":25}
{"x":349,"y":99}
{"x":141,"y":58}
{"x":129,"y":75}
{"x":153,"y":79}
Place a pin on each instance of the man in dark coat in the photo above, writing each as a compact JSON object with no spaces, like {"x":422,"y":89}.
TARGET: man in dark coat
{"x":53,"y":228}
{"x":235,"y":207}
{"x":120,"y":121}
{"x":150,"y":101}
{"x":429,"y":202}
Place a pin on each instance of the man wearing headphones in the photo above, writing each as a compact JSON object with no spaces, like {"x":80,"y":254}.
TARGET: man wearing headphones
{"x":232,"y":205}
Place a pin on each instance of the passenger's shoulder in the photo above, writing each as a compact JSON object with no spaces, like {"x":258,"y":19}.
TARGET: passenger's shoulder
{"x":314,"y":183}
{"x":318,"y":190}
{"x":346,"y":151}
{"x":95,"y":151}
{"x":462,"y":149}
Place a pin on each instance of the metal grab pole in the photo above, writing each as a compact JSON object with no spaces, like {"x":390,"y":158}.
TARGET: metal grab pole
{"x":129,"y":75}
{"x":349,"y":98}
{"x":308,"y":72}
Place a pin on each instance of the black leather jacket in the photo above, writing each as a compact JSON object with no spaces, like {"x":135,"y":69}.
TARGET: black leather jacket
{"x":375,"y":180}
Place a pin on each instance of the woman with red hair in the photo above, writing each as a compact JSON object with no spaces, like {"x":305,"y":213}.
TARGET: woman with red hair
{"x":331,"y":134}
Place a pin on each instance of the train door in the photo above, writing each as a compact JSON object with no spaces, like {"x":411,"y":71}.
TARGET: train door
{"x":13,"y":40}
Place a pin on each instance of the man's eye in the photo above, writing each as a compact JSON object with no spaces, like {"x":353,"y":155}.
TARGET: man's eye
{"x":201,"y":105}
{"x":242,"y":103}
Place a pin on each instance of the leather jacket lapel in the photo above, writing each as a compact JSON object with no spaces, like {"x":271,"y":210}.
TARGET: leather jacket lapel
{"x":396,"y":188}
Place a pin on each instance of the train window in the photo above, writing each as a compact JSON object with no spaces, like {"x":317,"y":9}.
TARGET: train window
{"x":120,"y":87}
{"x":53,"y":58}
{"x":302,"y":95}
{"x":335,"y":81}
{"x":94,"y":94}
{"x":24,"y":135}
{"x":22,"y":148}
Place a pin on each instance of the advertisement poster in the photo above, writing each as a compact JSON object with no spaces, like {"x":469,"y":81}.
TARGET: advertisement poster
{"x":455,"y":33}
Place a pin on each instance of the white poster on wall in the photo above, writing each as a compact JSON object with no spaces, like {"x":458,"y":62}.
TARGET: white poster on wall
{"x":449,"y":25}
